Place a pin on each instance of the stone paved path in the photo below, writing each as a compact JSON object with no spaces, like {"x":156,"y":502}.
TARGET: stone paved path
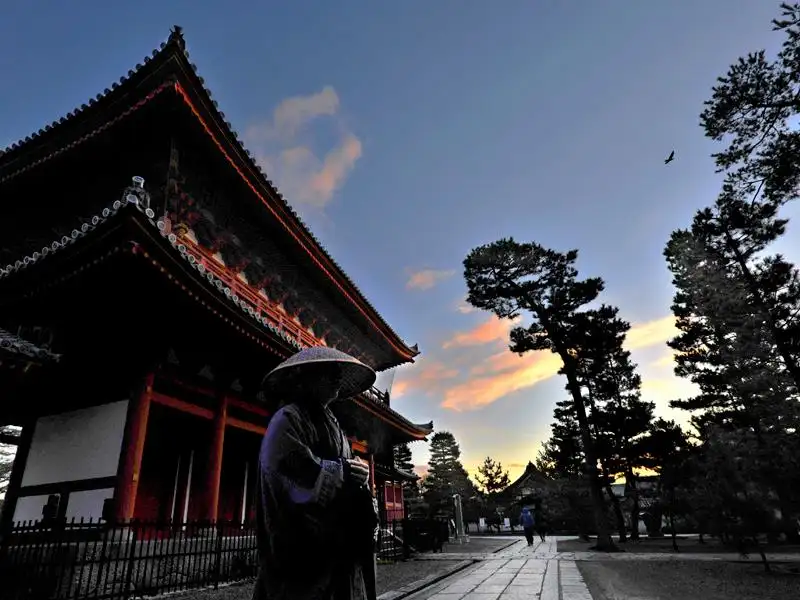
{"x":520,"y":572}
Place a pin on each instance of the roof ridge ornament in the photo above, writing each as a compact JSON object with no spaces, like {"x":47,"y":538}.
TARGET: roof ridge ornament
{"x":136,"y":194}
{"x":176,"y":37}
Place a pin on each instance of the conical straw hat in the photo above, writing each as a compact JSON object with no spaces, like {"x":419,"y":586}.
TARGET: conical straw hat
{"x":356,"y":376}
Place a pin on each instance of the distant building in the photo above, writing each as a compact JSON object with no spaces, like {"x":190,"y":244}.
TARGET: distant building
{"x":532,"y":483}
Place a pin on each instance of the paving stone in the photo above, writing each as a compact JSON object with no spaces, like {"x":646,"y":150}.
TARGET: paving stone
{"x":519,"y":592}
{"x":476,"y":596}
{"x":490,"y":589}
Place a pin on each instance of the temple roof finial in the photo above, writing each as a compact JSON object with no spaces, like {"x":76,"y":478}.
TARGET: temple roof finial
{"x":176,"y":35}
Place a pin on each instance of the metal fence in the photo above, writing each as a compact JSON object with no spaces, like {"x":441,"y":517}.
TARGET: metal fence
{"x":399,"y":539}
{"x":391,"y":542}
{"x":77,"y":560}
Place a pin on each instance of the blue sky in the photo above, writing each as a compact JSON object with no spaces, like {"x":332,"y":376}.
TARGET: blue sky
{"x":409,"y":132}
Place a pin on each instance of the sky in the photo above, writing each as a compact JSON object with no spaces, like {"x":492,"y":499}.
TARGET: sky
{"x":407,"y":133}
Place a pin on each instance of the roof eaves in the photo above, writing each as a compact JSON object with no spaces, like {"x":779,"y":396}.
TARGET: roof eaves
{"x":106,"y":215}
{"x":177,"y":41}
{"x":16,"y":345}
{"x":177,"y":38}
{"x":421,"y":430}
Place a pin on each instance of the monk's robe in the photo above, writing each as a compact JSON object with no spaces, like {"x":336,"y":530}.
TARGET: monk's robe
{"x":310,"y":520}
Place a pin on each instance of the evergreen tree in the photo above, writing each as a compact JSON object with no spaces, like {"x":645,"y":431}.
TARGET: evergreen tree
{"x":402,"y":458}
{"x":752,"y":110}
{"x":728,"y":347}
{"x":403,"y":462}
{"x":617,"y":414}
{"x":492,"y":478}
{"x":507,"y":278}
{"x":622,"y":419}
{"x":561,"y":457}
{"x":446,"y":475}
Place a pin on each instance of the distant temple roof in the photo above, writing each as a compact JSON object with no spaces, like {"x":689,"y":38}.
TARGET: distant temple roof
{"x":529,"y":476}
{"x":168,"y":70}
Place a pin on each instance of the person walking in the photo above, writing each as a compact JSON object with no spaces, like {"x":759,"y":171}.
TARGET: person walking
{"x":526,"y":519}
{"x":540,"y":522}
{"x":316,"y":515}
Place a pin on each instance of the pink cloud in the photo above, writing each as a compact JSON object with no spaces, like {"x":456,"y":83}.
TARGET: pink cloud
{"x":480,"y":373}
{"x":425,"y":279}
{"x":491,"y":330}
{"x":421,"y":470}
{"x":425,"y":377}
{"x":499,"y":375}
{"x":302,"y":176}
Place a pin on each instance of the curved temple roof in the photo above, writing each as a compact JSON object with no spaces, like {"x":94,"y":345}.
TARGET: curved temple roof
{"x":173,"y":59}
{"x":369,"y":400}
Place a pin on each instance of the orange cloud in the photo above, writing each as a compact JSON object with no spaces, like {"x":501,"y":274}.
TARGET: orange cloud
{"x":302,"y":176}
{"x":650,"y":333}
{"x":491,"y":330}
{"x":497,"y":375}
{"x":421,"y":470}
{"x":480,"y":374}
{"x":427,"y":278}
{"x":424,"y":377}
{"x":502,"y":374}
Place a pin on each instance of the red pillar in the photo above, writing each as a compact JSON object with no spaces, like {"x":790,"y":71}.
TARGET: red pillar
{"x":214,"y":473}
{"x":372,"y":474}
{"x":135,"y":435}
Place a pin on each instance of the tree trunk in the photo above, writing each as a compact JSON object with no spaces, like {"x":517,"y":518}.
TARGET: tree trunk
{"x":672,"y":532}
{"x":604,"y":541}
{"x":654,"y":528}
{"x":630,"y":486}
{"x":623,"y":536}
{"x":764,"y":560}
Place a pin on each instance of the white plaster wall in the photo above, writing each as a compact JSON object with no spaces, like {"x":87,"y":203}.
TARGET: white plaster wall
{"x":29,"y":508}
{"x":87,"y":504}
{"x":80,"y":444}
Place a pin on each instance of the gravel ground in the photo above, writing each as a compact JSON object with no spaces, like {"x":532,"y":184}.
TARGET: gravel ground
{"x":395,"y":576}
{"x":390,"y":577}
{"x":689,"y":545}
{"x":691,"y":580}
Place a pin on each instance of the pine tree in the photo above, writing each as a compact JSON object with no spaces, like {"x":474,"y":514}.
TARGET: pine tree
{"x":403,"y":461}
{"x":562,"y":456}
{"x":446,"y":475}
{"x":507,"y":278}
{"x":752,"y":109}
{"x":617,"y":414}
{"x":492,"y":478}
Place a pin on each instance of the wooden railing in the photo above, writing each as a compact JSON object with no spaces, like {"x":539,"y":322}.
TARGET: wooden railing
{"x":263,"y":305}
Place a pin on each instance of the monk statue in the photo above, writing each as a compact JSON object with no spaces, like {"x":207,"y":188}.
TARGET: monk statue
{"x":316,"y":514}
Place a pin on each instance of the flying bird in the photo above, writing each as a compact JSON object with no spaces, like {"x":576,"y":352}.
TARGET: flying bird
{"x":670,"y":158}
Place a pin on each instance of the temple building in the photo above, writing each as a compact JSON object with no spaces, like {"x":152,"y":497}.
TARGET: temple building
{"x":150,"y":275}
